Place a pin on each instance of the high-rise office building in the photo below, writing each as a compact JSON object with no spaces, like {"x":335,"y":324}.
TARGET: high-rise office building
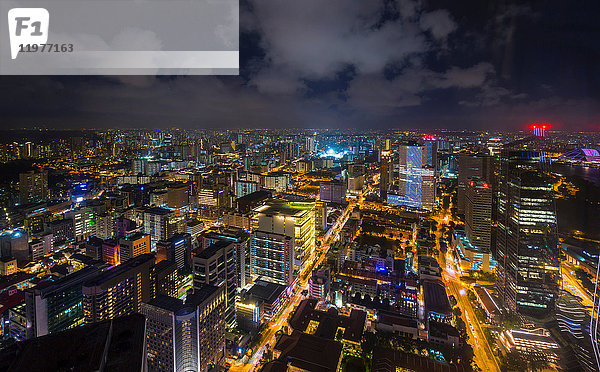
{"x":111,"y":252}
{"x":293,"y":219}
{"x":416,"y":181}
{"x":332,"y":192}
{"x":430,"y":151}
{"x":61,"y":230}
{"x":105,"y":226}
{"x":14,"y":244}
{"x":56,"y":305}
{"x":185,"y":337}
{"x":527,"y":241}
{"x":385,"y":173}
{"x":272,"y":257}
{"x":33,"y":186}
{"x":118,"y":291}
{"x":163,"y":279}
{"x":469,"y":166}
{"x":478,"y":213}
{"x":178,"y":197}
{"x":216,"y":265}
{"x":177,"y":249}
{"x":241,"y":241}
{"x":156,"y":223}
{"x":84,"y":223}
{"x":133,"y":245}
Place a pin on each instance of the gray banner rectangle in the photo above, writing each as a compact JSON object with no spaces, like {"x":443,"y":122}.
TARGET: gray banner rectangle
{"x":122,"y":37}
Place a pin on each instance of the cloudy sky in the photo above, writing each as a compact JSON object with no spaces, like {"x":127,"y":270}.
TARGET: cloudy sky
{"x":365,"y":64}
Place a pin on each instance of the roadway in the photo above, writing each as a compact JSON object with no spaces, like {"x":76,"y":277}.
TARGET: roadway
{"x":572,"y":284}
{"x":301,"y":284}
{"x":483,"y":354}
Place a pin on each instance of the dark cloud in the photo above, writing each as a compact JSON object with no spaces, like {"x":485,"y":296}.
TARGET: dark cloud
{"x":367,"y":64}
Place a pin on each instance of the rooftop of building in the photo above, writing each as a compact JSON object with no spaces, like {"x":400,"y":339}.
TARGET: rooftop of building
{"x":279,"y":206}
{"x":112,"y":345}
{"x":486,"y":299}
{"x":157,"y":210}
{"x":165,"y":264}
{"x":265,"y":291}
{"x":461,"y":237}
{"x":308,"y":352}
{"x":389,"y":317}
{"x":53,"y":283}
{"x":385,"y":360}
{"x":435,"y":297}
{"x":255,"y":196}
{"x":428,"y":261}
{"x":201,"y":294}
{"x":11,"y":298}
{"x":226,"y":232}
{"x":442,"y":330}
{"x":135,"y":236}
{"x":329,"y":321}
{"x":146,"y":258}
{"x":212,"y":249}
{"x":532,"y":336}
{"x":166,"y":302}
{"x":194,"y":223}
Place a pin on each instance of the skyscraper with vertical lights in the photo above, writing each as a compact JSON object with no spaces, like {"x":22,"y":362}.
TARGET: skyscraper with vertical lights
{"x":527,"y":241}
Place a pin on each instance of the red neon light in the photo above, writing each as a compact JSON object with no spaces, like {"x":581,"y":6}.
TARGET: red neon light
{"x":485,"y":185}
{"x":540,"y":126}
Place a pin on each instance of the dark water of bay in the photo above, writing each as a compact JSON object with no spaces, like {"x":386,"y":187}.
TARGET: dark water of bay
{"x":581,"y":212}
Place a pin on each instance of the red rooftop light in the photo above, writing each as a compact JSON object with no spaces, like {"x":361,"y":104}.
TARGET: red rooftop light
{"x":539,"y":129}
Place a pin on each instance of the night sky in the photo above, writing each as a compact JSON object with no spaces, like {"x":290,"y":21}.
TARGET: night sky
{"x":336,"y":64}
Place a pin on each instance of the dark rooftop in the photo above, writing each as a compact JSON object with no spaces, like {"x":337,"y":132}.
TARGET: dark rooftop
{"x":385,"y":360}
{"x":168,"y":303}
{"x":308,"y":352}
{"x":119,"y":343}
{"x":120,"y":269}
{"x":265,"y":291}
{"x":212,"y":249}
{"x":435,"y":298}
{"x":255,"y":196}
{"x":200,"y":295}
{"x":329,"y":321}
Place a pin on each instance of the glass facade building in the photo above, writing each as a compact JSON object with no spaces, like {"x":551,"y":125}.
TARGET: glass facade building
{"x":527,"y":240}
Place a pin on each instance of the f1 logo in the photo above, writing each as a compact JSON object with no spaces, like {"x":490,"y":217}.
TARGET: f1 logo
{"x":27,"y":26}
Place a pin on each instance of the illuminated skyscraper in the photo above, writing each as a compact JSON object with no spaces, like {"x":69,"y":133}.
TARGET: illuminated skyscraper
{"x":134,"y":245}
{"x":216,"y":265}
{"x":292,"y":219}
{"x":416,"y":186}
{"x":185,"y":337}
{"x":527,"y":241}
{"x":478,"y":213}
{"x":33,"y":186}
{"x":177,"y":249}
{"x":118,"y":291}
{"x":471,"y":165}
{"x":385,"y":173}
{"x":56,"y":305}
{"x":84,"y":222}
{"x":272,"y":257}
{"x":241,"y":242}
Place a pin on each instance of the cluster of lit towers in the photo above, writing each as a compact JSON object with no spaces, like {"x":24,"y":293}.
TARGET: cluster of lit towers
{"x":200,"y":250}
